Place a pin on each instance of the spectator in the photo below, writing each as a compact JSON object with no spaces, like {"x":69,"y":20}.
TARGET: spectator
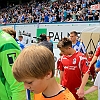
{"x":46,"y":18}
{"x":65,"y":14}
{"x":39,"y":12}
{"x":96,"y":15}
{"x":90,"y":15}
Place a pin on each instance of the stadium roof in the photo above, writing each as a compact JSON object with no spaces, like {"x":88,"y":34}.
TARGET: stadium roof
{"x":95,"y":29}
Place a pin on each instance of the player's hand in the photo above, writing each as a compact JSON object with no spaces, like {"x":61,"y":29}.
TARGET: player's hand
{"x":80,"y":93}
{"x":85,"y":92}
{"x":89,"y":65}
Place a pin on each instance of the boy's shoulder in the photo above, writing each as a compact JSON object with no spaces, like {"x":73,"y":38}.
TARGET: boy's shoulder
{"x":81,"y":56}
{"x":78,"y":43}
{"x":78,"y":53}
{"x":65,"y":95}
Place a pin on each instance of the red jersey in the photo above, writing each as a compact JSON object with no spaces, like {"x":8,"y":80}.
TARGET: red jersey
{"x":92,"y":68}
{"x":97,"y":51}
{"x":74,"y":66}
{"x":58,"y":63}
{"x":89,"y":60}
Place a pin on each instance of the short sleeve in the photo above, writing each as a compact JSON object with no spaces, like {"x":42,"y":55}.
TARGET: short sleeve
{"x":97,"y":51}
{"x":84,"y":65}
{"x":61,"y":66}
{"x":97,"y":79}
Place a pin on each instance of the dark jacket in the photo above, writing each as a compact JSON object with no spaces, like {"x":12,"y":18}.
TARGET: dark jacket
{"x":47,"y":44}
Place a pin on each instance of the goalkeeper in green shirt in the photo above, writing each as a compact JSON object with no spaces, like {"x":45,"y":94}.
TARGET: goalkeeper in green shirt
{"x":10,"y":89}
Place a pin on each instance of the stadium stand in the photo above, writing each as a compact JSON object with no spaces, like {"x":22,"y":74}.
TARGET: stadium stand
{"x":58,"y":11}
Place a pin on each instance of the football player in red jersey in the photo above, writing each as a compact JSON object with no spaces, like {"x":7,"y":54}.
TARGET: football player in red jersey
{"x":74,"y":70}
{"x":92,"y":68}
{"x":95,"y":57}
{"x":58,"y":64}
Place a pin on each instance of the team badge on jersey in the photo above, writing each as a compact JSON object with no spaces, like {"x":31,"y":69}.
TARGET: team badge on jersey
{"x":74,"y":61}
{"x":11,"y":58}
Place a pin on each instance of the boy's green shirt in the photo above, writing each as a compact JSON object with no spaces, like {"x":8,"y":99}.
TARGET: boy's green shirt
{"x":10,"y":89}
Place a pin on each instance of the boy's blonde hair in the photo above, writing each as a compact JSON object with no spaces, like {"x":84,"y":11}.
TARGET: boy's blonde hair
{"x":10,"y":31}
{"x":34,"y":61}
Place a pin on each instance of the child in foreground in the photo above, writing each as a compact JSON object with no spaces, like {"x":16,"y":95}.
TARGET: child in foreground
{"x":35,"y":66}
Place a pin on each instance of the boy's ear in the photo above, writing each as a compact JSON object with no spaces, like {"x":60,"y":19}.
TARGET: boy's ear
{"x":69,"y":47}
{"x":49,"y":74}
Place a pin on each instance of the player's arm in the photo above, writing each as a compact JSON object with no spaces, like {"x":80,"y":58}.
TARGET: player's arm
{"x":8,"y":55}
{"x":91,"y":89}
{"x":85,"y":72}
{"x":61,"y":72}
{"x":95,"y":87}
{"x":57,"y":72}
{"x":61,"y":76}
{"x":80,"y":91}
{"x":58,"y":62}
{"x":86,"y":54}
{"x":97,"y":53}
{"x":93,"y":60}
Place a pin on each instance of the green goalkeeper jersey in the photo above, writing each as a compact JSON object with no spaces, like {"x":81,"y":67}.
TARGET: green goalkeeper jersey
{"x":10,"y":89}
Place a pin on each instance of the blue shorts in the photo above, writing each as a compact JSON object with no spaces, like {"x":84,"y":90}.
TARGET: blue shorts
{"x":98,"y":64}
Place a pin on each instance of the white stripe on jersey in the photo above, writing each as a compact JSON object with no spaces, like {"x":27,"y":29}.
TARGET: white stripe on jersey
{"x":81,"y":58}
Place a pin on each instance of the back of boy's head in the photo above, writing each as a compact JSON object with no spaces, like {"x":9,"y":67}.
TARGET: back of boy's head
{"x":64,"y":43}
{"x":34,"y":61}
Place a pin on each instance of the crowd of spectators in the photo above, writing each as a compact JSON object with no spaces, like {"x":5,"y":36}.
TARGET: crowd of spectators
{"x":58,"y":11}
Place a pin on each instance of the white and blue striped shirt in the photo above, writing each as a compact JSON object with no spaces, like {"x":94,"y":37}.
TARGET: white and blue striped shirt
{"x":79,"y":46}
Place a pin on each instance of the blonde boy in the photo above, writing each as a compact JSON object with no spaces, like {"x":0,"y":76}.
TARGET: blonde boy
{"x":35,"y":66}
